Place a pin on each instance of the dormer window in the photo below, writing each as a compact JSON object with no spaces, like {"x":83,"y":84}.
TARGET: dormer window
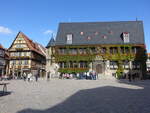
{"x":104,"y":36}
{"x":89,"y":38}
{"x":81,"y":33}
{"x":69,"y":38}
{"x":126,"y":37}
{"x":96,"y":33}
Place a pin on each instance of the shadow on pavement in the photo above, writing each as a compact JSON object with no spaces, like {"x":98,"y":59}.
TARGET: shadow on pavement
{"x":107,"y":99}
{"x":4,"y":93}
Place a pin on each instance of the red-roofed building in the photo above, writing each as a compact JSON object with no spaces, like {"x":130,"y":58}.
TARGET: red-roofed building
{"x":26,"y":56}
{"x":148,"y":62}
{"x":4,"y":58}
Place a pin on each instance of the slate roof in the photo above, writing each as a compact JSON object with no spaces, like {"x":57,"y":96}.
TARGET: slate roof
{"x":100,"y":32}
{"x":51,"y":42}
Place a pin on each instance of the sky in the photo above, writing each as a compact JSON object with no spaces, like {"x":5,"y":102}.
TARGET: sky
{"x":38,"y":19}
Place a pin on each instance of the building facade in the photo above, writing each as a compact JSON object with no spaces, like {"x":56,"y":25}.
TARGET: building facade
{"x":109,"y":48}
{"x":26,"y":56}
{"x":4,"y":59}
{"x":148,"y":62}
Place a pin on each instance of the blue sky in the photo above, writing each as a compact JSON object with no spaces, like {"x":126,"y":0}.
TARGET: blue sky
{"x":39,"y":18}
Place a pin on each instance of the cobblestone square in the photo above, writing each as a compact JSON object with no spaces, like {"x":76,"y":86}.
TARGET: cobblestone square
{"x":77,"y":96}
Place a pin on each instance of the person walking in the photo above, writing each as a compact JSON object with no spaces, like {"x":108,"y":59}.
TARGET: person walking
{"x":94,"y":75}
{"x":36,"y":77}
{"x":24,"y":76}
{"x":48,"y":76}
{"x":129,"y":77}
{"x":29,"y":76}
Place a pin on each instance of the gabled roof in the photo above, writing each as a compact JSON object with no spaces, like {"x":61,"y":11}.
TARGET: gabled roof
{"x":32,"y":45}
{"x":51,"y":43}
{"x":86,"y":33}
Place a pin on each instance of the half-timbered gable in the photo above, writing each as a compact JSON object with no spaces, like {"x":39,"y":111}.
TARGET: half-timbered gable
{"x":26,"y":55}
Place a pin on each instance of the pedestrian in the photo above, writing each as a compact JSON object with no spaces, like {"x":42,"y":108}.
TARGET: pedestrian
{"x":29,"y":76}
{"x":129,"y":75}
{"x":36,"y":77}
{"x":24,"y":76}
{"x":133,"y":76}
{"x":94,"y":75}
{"x":90,"y":76}
{"x":78,"y":76}
{"x":48,"y":76}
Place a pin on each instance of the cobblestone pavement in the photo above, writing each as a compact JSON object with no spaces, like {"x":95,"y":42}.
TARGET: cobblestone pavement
{"x":76,"y":96}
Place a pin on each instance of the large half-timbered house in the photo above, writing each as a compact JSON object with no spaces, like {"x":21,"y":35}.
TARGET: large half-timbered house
{"x":26,"y":56}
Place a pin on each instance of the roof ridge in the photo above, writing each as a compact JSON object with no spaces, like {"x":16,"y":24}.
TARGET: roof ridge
{"x":99,"y":22}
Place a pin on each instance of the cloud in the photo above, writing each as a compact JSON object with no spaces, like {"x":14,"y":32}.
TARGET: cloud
{"x":5,"y":30}
{"x":48,"y":32}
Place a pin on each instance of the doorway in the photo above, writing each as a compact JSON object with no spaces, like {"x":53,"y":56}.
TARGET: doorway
{"x":99,"y":68}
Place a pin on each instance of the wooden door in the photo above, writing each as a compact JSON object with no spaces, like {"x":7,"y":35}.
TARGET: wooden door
{"x":99,"y":68}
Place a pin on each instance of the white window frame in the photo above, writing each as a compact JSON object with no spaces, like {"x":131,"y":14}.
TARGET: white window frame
{"x":69,"y":38}
{"x":126,"y":37}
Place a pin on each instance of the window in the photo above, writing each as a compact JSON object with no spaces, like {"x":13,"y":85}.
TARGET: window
{"x":89,"y":38}
{"x":81,"y":33}
{"x":18,"y":45}
{"x":60,"y":64}
{"x":26,"y":62}
{"x":71,"y":64}
{"x":75,"y":64}
{"x":25,"y":54}
{"x":103,"y":50}
{"x":134,"y":50}
{"x":113,"y":65}
{"x":62,"y":51}
{"x":20,"y":53}
{"x":69,"y":38}
{"x":20,"y":38}
{"x":82,"y":50}
{"x":14,"y":62}
{"x":115,"y":50}
{"x":19,"y":62}
{"x":83,"y":64}
{"x":73,"y":51}
{"x":96,"y":33}
{"x":126,"y":64}
{"x":135,"y":64}
{"x":93,"y":50}
{"x":11,"y":54}
{"x":111,"y":50}
{"x":65,"y":64}
{"x":127,"y":50}
{"x":16,"y":54}
{"x":122,"y":50}
{"x":126,"y":37}
{"x":104,"y":36}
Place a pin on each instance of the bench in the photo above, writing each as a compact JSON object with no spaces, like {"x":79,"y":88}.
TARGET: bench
{"x":4,"y":87}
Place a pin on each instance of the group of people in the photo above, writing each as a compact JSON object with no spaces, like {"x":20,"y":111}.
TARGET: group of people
{"x":92,"y":75}
{"x":29,"y":77}
{"x":133,"y":76}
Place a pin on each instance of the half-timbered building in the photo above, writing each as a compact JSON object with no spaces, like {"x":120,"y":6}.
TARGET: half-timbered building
{"x":4,"y":59}
{"x":26,"y":56}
